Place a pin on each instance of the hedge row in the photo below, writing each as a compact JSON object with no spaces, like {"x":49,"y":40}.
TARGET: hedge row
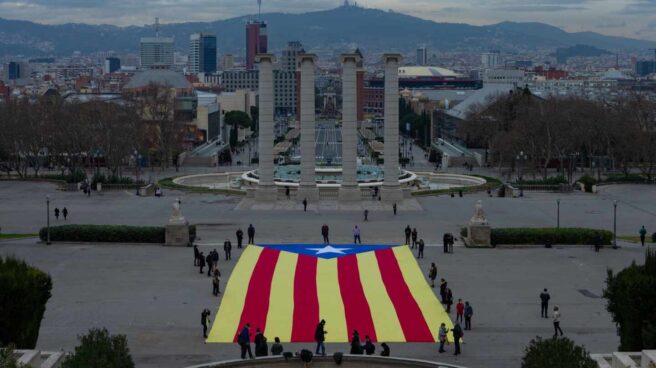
{"x":105,"y":233}
{"x":563,"y":235}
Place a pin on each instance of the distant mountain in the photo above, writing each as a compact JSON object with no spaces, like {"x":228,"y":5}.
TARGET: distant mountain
{"x":342,"y":28}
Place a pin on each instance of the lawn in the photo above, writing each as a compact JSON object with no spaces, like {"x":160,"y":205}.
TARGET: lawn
{"x":17,"y":236}
{"x":635,"y":239}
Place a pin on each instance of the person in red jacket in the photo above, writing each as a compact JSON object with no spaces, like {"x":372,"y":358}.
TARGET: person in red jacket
{"x":460,"y":310}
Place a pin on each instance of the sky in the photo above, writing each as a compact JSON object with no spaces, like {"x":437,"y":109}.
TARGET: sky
{"x":630,"y":18}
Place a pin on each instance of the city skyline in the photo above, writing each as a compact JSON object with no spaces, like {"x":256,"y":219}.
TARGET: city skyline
{"x":628,"y":18}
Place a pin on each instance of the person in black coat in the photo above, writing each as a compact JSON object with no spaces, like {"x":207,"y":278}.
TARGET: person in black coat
{"x":240,"y":237}
{"x":209,"y":261}
{"x":196,"y":256}
{"x":201,"y":261}
{"x":261,"y":348}
{"x":386,"y":350}
{"x":320,"y":337}
{"x":227,"y":247}
{"x":369,"y":347}
{"x":356,"y":347}
{"x":251,"y":234}
{"x":215,"y":259}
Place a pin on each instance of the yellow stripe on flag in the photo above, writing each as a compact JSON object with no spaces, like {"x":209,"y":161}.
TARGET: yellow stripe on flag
{"x":227,"y":318}
{"x":281,"y":302}
{"x":430,"y":306}
{"x":331,"y":306}
{"x":386,"y":322}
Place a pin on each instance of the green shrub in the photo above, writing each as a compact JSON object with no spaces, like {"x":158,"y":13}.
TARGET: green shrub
{"x":552,"y":180}
{"x":563,"y":235}
{"x":559,"y":352}
{"x":75,"y":176}
{"x":621,"y":178}
{"x":653,"y":238}
{"x":25,"y":290}
{"x":588,"y":181}
{"x":105,"y":233}
{"x":99,"y":349}
{"x":8,"y":358}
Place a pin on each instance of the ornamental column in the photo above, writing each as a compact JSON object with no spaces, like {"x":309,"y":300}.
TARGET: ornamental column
{"x":391,"y":191}
{"x":266,"y":189}
{"x":349,"y":190}
{"x":308,"y":185}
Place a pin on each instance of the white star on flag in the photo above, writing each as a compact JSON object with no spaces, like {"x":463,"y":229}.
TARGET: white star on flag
{"x":329,"y":249}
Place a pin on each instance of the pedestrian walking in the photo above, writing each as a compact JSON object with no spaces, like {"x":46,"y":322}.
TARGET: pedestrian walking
{"x":420,"y":251}
{"x":286,"y":195}
{"x":457,"y":335}
{"x":324,"y":233}
{"x":432,"y":274}
{"x":209,"y":259}
{"x":408,"y":232}
{"x":320,"y":337}
{"x":240,"y":237}
{"x":366,"y":215}
{"x":643,"y":233}
{"x":356,"y":235}
{"x":445,"y":242}
{"x":442,"y":336}
{"x":356,"y":347}
{"x":556,"y":321}
{"x":443,"y":287}
{"x":244,"y":341}
{"x":460,"y":311}
{"x":261,"y":348}
{"x":205,"y":320}
{"x":469,"y":312}
{"x":460,"y":193}
{"x":215,"y":259}
{"x":215,"y":282}
{"x":597,"y":241}
{"x":414,"y":237}
{"x":196,"y":256}
{"x":227,"y":248}
{"x":65,"y":213}
{"x":369,"y":347}
{"x":56,"y":213}
{"x":304,"y":204}
{"x":544,"y":303}
{"x":449,"y":300}
{"x":276,"y":348}
{"x":394,"y":208}
{"x":386,"y":350}
{"x":201,"y":263}
{"x":251,"y":234}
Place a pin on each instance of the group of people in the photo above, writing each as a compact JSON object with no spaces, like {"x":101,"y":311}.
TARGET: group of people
{"x":63,"y":212}
{"x":411,"y":237}
{"x":544,"y":308}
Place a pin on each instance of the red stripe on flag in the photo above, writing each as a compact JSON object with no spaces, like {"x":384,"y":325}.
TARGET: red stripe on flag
{"x":410,"y":316}
{"x":256,"y":305}
{"x":306,"y":300}
{"x":356,"y":307}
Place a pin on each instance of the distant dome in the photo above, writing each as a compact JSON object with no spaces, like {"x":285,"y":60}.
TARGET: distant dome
{"x":426,"y":71}
{"x":159,"y":76}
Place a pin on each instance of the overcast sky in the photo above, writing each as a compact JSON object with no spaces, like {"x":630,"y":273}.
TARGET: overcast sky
{"x":632,"y":18}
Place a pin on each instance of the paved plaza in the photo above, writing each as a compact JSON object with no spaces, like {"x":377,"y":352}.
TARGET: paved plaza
{"x":155,"y":296}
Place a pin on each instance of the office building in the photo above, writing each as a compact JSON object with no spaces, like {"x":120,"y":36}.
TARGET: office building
{"x":14,"y":70}
{"x":491,"y":60}
{"x":422,"y":56}
{"x":289,"y":55}
{"x":644,"y":68}
{"x":227,"y":62}
{"x":202,"y":53}
{"x":284,"y":84}
{"x":157,"y":52}
{"x":256,"y":41}
{"x":112,"y":64}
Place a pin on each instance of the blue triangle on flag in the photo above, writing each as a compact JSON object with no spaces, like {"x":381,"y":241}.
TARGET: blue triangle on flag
{"x":327,"y":251}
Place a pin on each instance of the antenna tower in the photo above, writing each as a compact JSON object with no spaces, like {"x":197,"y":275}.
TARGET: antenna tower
{"x":157,"y":27}
{"x":259,"y":9}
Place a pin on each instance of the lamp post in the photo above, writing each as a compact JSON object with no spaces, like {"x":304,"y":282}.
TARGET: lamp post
{"x":558,"y":213}
{"x":521,"y":157}
{"x":48,"y":220}
{"x":615,"y":224}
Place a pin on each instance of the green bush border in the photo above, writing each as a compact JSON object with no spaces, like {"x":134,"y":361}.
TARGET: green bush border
{"x":492,"y":183}
{"x":169,"y":184}
{"x":105,"y":234}
{"x":539,"y":236}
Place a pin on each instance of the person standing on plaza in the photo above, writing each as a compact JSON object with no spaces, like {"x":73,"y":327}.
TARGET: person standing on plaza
{"x":544,"y":303}
{"x":443,"y":286}
{"x":276,"y":348}
{"x":432,"y":274}
{"x":56,"y":213}
{"x":65,"y":213}
{"x":215,"y":282}
{"x":356,"y":347}
{"x":244,"y":341}
{"x":449,"y":300}
{"x":201,"y":261}
{"x":227,"y":248}
{"x":369,"y":347}
{"x":420,"y":251}
{"x":324,"y":233}
{"x":205,"y":320}
{"x":320,"y":337}
{"x":209,"y":259}
{"x":286,"y":195}
{"x":408,"y":232}
{"x":261,"y":348}
{"x":356,"y":235}
{"x":251,"y":234}
{"x":643,"y":233}
{"x":445,"y":242}
{"x":304,"y":204}
{"x":366,"y":215}
{"x":442,"y":336}
{"x":215,"y":259}
{"x":240,"y":237}
{"x":457,"y":335}
{"x":469,"y":312}
{"x":460,"y":310}
{"x":556,"y":321}
{"x":414,"y":237}
{"x":394,"y":208}
{"x":196,"y":255}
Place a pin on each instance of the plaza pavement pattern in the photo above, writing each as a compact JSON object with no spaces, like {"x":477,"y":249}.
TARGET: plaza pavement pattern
{"x":154,"y":295}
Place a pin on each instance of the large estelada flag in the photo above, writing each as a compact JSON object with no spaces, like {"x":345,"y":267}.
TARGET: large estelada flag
{"x":286,"y":289}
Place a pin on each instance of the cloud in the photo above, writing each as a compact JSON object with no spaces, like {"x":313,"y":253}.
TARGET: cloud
{"x":540,"y":8}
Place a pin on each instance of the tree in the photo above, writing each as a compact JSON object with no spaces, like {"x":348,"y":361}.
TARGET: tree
{"x":237,"y":119}
{"x":558,"y":352}
{"x":8,"y":358}
{"x":99,"y":349}
{"x":25,"y":292}
{"x":631,"y":300}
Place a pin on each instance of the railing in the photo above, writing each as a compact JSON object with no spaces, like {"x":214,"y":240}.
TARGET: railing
{"x":347,"y":361}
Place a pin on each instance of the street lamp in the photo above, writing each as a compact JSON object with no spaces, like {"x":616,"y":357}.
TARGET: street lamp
{"x":48,"y":220}
{"x":615,"y":224}
{"x":521,"y":157}
{"x":558,"y":214}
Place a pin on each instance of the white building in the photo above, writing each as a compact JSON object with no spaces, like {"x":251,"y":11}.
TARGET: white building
{"x":491,"y":59}
{"x":157,"y":52}
{"x":422,"y":56}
